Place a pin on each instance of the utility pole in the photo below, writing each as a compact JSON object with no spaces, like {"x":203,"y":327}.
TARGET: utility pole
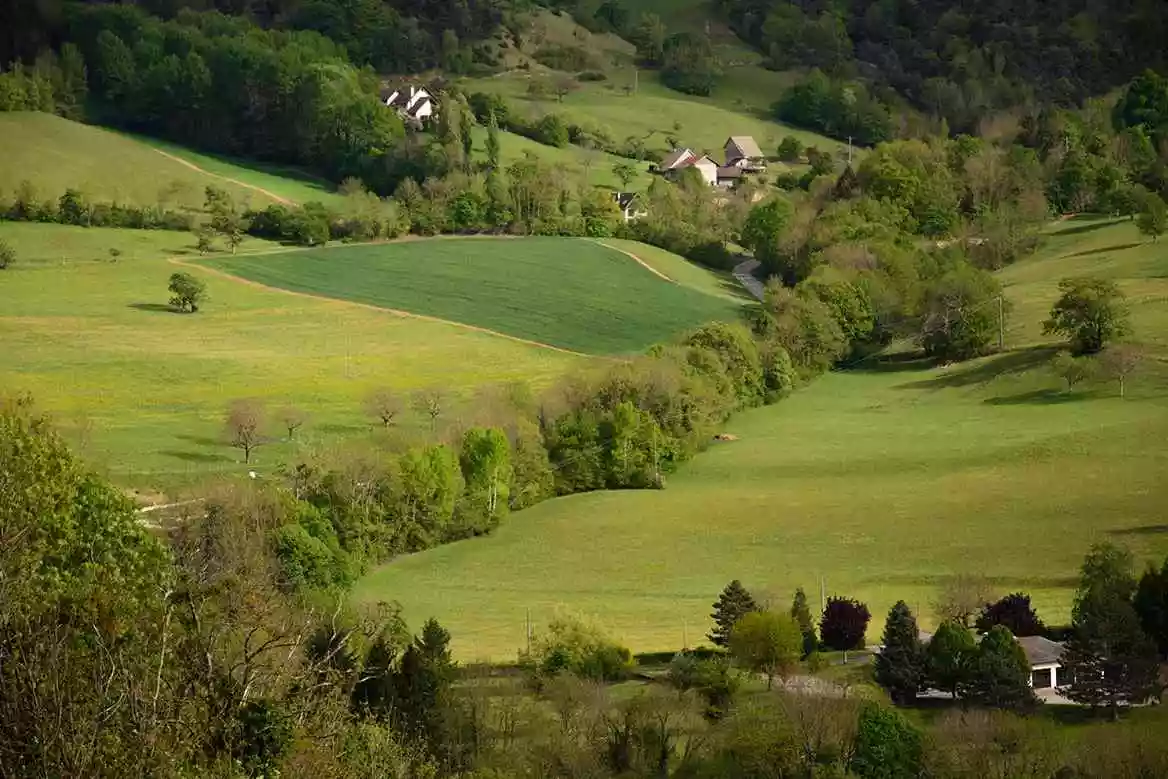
{"x":684,"y":633}
{"x":636,"y":79}
{"x":527,"y":630}
{"x":1001,"y":325}
{"x":849,"y":151}
{"x":822,"y":596}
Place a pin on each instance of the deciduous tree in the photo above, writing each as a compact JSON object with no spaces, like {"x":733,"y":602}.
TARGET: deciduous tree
{"x":900,"y":666}
{"x":291,"y":419}
{"x":961,"y":597}
{"x":1118,"y":361}
{"x":384,"y":405}
{"x":430,"y":402}
{"x":7,"y":255}
{"x":767,"y":642}
{"x":733,"y":604}
{"x":1073,"y":370}
{"x":844,"y":623}
{"x":887,"y":746}
{"x":1014,"y":612}
{"x":1090,"y":312}
{"x":186,"y":292}
{"x":1153,"y":218}
{"x":244,"y":425}
{"x":625,"y":172}
{"x":949,"y":657}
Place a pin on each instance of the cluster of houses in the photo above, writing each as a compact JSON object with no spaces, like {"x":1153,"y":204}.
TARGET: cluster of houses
{"x":414,"y":104}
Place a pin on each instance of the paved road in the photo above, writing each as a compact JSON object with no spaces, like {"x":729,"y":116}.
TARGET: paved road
{"x":744,"y":272}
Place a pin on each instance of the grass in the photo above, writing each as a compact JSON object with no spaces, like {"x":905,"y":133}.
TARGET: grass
{"x":593,"y":168}
{"x":570,"y":293}
{"x":142,"y":391}
{"x":681,"y":270}
{"x":877,"y":484}
{"x":652,"y":113}
{"x":55,"y":154}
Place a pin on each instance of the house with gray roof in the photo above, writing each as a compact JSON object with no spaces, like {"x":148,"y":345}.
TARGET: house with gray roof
{"x":743,"y":152}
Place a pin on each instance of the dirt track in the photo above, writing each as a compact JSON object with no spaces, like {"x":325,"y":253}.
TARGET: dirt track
{"x":237,"y":182}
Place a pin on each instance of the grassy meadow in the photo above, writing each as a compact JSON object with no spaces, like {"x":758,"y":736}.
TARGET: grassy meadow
{"x":56,"y":154}
{"x":141,"y":391}
{"x":878,"y":482}
{"x":574,"y":294}
{"x":589,"y":167}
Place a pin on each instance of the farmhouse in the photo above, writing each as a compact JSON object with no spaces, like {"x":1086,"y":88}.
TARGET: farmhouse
{"x":413,"y":103}
{"x":742,"y":152}
{"x":1045,"y":658}
{"x":629,"y":205}
{"x":680,"y":159}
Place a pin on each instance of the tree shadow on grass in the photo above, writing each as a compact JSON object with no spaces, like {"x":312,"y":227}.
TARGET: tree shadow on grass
{"x":1007,"y":364}
{"x":1042,"y":397}
{"x":1119,"y":247}
{"x":196,"y":457}
{"x":340,"y":429}
{"x":899,"y":362}
{"x":156,"y":307}
{"x":200,"y":440}
{"x":1090,"y":226}
{"x":1139,"y":530}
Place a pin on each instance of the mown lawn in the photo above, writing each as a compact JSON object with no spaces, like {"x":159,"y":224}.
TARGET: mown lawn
{"x":141,"y":391}
{"x":878,"y":484}
{"x":55,"y":154}
{"x":570,"y":293}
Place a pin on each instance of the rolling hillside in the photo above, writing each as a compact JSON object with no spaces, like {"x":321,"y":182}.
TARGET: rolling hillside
{"x":55,"y":154}
{"x":572,"y":294}
{"x":875,"y":482}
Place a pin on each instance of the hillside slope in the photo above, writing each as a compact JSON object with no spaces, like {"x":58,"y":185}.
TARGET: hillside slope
{"x":879,"y":483}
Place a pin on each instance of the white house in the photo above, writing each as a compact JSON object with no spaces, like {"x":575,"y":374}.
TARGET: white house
{"x":629,"y":205}
{"x":743,"y":152}
{"x":680,"y":159}
{"x":413,"y":103}
{"x":1045,"y":658}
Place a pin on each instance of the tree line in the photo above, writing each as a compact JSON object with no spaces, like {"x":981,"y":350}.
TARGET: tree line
{"x":181,"y":653}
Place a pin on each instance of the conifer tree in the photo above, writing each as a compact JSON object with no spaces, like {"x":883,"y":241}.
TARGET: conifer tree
{"x":900,"y":666}
{"x":801,"y":612}
{"x":999,"y":676}
{"x":733,"y":604}
{"x":1151,"y":604}
{"x":949,"y":656}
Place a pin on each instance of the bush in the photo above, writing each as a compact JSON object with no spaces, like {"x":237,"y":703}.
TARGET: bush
{"x":572,"y":645}
{"x":7,"y":255}
{"x":591,"y":75}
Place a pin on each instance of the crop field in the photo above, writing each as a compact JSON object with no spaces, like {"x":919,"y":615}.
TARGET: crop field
{"x":141,"y":391}
{"x":876,"y":483}
{"x":569,"y":293}
{"x":55,"y":154}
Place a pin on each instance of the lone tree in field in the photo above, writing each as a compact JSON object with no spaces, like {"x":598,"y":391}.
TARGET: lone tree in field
{"x":961,"y":597}
{"x":900,"y":666}
{"x":1110,"y":658}
{"x":245,"y":421}
{"x":186,"y":292}
{"x":767,"y":643}
{"x":384,"y":405}
{"x":1089,"y":312}
{"x":801,"y":613}
{"x":999,"y":676}
{"x":429,"y":402}
{"x":949,"y":657}
{"x":844,"y":623}
{"x":1073,"y":370}
{"x":1118,"y":362}
{"x":1153,"y":219}
{"x":733,"y":604}
{"x":1014,"y":612}
{"x":7,"y":255}
{"x":291,"y":419}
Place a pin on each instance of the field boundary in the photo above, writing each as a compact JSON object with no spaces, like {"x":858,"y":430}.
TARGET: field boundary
{"x":370,"y":307}
{"x":282,"y":200}
{"x":639,"y":261}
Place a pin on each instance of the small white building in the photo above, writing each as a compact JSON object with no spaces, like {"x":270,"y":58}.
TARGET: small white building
{"x":680,"y":159}
{"x":1045,"y":658}
{"x":412,"y":102}
{"x":630,"y":205}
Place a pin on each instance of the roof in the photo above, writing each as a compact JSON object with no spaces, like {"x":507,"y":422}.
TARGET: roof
{"x":624,"y":199}
{"x":674,"y":157}
{"x":705,"y":159}
{"x":1040,"y":650}
{"x":746,"y":145}
{"x":730,"y":172}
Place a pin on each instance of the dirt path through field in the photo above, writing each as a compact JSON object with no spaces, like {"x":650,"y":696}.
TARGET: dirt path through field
{"x":639,"y":261}
{"x":369,"y":306}
{"x":237,"y":182}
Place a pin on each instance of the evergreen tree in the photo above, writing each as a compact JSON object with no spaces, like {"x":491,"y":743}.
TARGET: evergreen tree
{"x":801,"y":612}
{"x":1151,"y":604}
{"x":1110,"y":659}
{"x":999,"y":676}
{"x":887,"y":746}
{"x":949,"y":655}
{"x":733,"y":604}
{"x":900,"y":666}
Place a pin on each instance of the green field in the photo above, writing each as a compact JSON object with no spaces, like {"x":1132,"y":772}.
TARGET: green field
{"x":142,"y":391}
{"x":652,"y":113}
{"x":570,"y":293}
{"x":879,"y":483}
{"x":56,"y":154}
{"x":590,"y":167}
